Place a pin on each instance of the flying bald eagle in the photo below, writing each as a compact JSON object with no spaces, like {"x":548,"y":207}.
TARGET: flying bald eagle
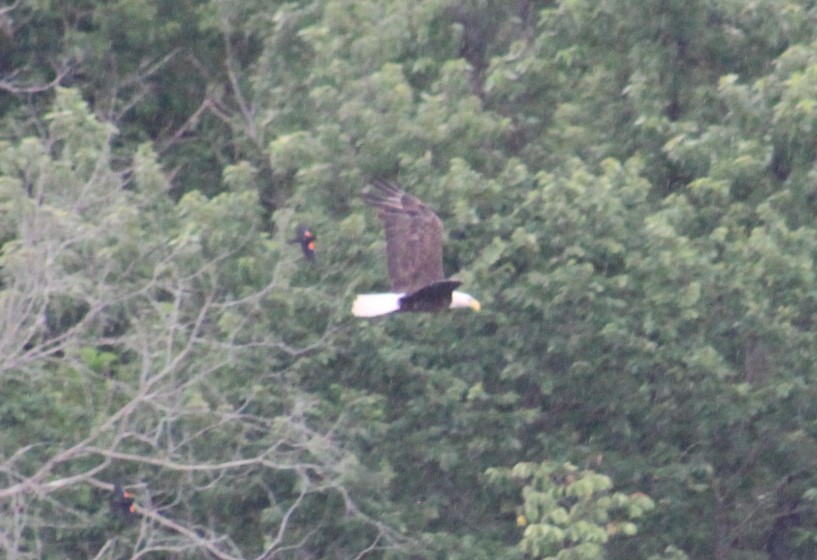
{"x":414,"y":247}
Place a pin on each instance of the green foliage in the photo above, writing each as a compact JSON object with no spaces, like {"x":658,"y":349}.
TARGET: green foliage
{"x":627,"y":187}
{"x":568,"y":513}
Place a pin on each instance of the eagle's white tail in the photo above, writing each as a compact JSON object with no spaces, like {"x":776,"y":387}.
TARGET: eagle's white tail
{"x":372,"y":305}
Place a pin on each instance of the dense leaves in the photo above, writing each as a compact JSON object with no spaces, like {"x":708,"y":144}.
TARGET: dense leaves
{"x":628,"y":188}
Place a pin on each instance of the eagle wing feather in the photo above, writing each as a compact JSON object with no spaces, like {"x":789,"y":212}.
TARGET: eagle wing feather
{"x":414,"y":237}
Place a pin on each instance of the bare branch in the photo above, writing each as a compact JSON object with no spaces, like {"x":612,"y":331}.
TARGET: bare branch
{"x":7,"y":9}
{"x":10,"y":86}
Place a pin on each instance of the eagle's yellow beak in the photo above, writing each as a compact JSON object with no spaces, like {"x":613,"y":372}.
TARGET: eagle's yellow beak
{"x":474,"y":304}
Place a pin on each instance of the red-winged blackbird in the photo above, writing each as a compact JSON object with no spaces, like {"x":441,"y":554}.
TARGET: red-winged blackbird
{"x":122,"y":503}
{"x":307,"y":241}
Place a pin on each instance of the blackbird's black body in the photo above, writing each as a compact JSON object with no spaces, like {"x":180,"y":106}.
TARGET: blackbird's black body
{"x":122,"y":503}
{"x":306,"y":239}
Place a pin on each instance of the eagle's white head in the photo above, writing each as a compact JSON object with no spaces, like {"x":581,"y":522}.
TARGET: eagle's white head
{"x":461,"y":299}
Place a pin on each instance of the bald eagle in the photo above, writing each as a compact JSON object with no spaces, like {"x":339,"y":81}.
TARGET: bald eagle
{"x":414,"y":247}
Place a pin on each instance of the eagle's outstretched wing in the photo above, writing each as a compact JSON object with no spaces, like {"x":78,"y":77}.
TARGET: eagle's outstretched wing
{"x":414,"y":237}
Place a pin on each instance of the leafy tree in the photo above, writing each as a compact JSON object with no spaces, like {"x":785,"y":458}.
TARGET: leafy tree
{"x":569,"y":513}
{"x":128,"y":357}
{"x":627,"y":187}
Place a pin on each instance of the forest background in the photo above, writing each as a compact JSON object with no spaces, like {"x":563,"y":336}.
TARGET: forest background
{"x":629,"y":187}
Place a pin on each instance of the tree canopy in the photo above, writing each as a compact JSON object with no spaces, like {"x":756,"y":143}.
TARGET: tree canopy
{"x":629,"y":188}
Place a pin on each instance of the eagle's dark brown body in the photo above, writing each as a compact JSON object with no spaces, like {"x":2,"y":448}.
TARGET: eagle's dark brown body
{"x":434,"y":297}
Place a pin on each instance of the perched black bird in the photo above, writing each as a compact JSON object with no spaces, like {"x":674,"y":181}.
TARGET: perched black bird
{"x":307,"y":241}
{"x":122,"y":503}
